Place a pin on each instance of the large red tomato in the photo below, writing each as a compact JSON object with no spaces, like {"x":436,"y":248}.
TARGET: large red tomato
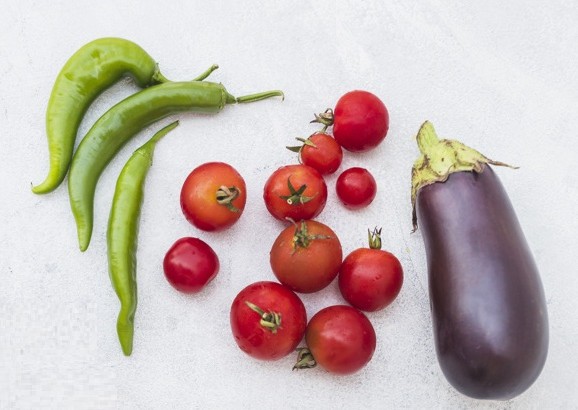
{"x":370,"y":278}
{"x":306,"y":257}
{"x":341,"y":339}
{"x":213,"y":196}
{"x":296,"y":192}
{"x":268,"y":320}
{"x":360,"y":121}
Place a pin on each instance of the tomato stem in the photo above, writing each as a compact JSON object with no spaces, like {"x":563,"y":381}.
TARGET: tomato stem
{"x":299,"y":148}
{"x":296,"y":196}
{"x":302,"y":239}
{"x":374,"y":238}
{"x":269,"y":320}
{"x":305,"y":359}
{"x":325,"y":118}
{"x":226,"y":196}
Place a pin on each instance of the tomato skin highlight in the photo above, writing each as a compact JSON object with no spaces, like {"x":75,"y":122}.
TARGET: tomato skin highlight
{"x":199,"y":196}
{"x":356,"y":188}
{"x":190,"y":264}
{"x":341,"y":339}
{"x":325,"y":156}
{"x":361,"y":121}
{"x":276,"y":191}
{"x":311,"y":268}
{"x":370,"y":279}
{"x":258,"y":341}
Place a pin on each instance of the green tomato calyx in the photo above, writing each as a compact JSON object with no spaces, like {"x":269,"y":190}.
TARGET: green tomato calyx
{"x":269,"y":320}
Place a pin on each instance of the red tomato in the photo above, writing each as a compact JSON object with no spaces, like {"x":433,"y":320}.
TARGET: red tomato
{"x":268,"y":320}
{"x":295,"y":191}
{"x":306,"y":257}
{"x":320,"y":151}
{"x":213,"y":196}
{"x":360,"y":121}
{"x":356,"y":187}
{"x":370,"y":279}
{"x":341,"y":339}
{"x":190,"y":264}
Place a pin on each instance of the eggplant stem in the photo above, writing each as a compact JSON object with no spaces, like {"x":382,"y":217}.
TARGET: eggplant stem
{"x":440,"y":158}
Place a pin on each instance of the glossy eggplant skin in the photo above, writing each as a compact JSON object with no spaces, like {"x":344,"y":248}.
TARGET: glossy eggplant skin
{"x":488,"y":307}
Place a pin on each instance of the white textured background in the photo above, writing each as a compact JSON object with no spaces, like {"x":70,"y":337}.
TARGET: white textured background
{"x":500,"y":76}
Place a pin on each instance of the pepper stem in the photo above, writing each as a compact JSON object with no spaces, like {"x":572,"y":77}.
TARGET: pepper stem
{"x":206,"y":73}
{"x":158,"y":77}
{"x":269,"y":320}
{"x":260,"y":96}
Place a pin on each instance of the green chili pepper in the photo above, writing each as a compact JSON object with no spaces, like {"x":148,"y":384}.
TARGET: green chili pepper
{"x":123,"y":231}
{"x":126,"y":119}
{"x":92,"y":69}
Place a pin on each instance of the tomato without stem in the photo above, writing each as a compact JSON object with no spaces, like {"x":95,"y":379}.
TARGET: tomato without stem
{"x":306,"y":257}
{"x":213,"y":196}
{"x":190,"y":264}
{"x":370,"y":278}
{"x":320,"y":151}
{"x":267,"y":320}
{"x":356,"y":188}
{"x":295,"y":191}
{"x":341,"y":339}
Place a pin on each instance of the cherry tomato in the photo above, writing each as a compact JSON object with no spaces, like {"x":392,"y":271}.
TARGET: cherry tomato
{"x":356,"y":187}
{"x":190,"y":264}
{"x":320,"y":151}
{"x":306,"y":257}
{"x":341,"y":339}
{"x":295,"y":191}
{"x":213,"y":196}
{"x":268,"y":320}
{"x":360,"y":121}
{"x":370,"y":278}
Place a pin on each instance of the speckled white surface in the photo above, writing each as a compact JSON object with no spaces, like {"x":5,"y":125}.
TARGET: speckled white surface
{"x":500,"y":76}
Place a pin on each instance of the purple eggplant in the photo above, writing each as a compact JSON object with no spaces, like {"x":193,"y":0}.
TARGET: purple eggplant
{"x":488,"y":308}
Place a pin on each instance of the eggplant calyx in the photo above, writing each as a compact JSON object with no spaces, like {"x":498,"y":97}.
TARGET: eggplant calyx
{"x":439,"y":159}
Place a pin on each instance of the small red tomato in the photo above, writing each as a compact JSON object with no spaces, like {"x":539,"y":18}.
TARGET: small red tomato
{"x":356,"y":187}
{"x":190,"y":264}
{"x":341,"y":339}
{"x":360,"y":121}
{"x":268,"y":320}
{"x":295,"y":191}
{"x":306,"y":257}
{"x":370,"y":279}
{"x":320,"y":151}
{"x":213,"y":196}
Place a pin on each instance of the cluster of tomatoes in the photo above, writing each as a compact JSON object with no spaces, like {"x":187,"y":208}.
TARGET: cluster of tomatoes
{"x":268,"y":319}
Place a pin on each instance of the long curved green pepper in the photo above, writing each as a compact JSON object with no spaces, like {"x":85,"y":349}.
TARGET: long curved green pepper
{"x":126,"y":119}
{"x":88,"y":72}
{"x":122,"y":234}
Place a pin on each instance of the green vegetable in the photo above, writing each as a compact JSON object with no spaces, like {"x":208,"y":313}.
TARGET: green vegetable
{"x":123,"y":231}
{"x":92,"y":69}
{"x":126,"y":119}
